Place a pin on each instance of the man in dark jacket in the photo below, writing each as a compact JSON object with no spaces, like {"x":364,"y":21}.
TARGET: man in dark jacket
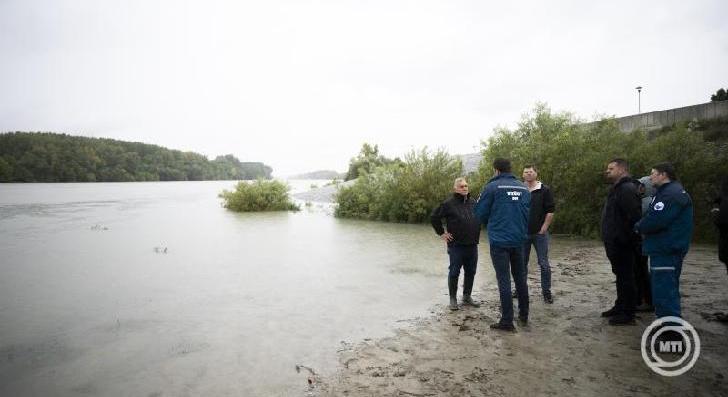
{"x":720,"y":212}
{"x":503,"y":207}
{"x":540,"y":216}
{"x":461,"y":237}
{"x":667,"y":228}
{"x":621,"y":211}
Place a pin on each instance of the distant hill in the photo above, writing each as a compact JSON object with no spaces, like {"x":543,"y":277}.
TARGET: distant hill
{"x":471,"y":161}
{"x":50,"y":157}
{"x":323,"y":174}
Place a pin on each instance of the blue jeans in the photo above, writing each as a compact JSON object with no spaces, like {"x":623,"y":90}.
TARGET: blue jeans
{"x":507,"y":260}
{"x":665,"y":276}
{"x":541,"y":242}
{"x":465,"y":256}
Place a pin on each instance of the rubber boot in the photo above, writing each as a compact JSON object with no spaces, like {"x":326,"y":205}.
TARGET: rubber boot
{"x":452,"y":286}
{"x":467,"y":290}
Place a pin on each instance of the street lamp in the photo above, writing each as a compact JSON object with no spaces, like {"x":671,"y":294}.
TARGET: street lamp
{"x":639,"y":99}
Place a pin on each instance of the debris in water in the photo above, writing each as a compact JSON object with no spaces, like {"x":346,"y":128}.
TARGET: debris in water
{"x":160,"y":250}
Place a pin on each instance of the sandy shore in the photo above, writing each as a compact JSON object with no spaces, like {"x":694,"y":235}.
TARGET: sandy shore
{"x":567,"y":349}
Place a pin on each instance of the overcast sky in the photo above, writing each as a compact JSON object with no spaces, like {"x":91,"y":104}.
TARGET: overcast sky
{"x":300,"y":85}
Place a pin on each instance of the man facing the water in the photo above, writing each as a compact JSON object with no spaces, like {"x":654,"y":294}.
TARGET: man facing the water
{"x":668,"y":228}
{"x":503,"y":207}
{"x":461,"y":238}
{"x":621,"y":210}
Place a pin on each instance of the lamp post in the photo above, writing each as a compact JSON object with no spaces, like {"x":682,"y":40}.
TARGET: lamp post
{"x":639,"y":99}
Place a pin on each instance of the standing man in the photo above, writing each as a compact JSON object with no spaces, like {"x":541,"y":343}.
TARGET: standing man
{"x":621,"y":211}
{"x":667,"y":228}
{"x":720,"y":213}
{"x":641,"y":265}
{"x":540,"y":217}
{"x":461,"y":238}
{"x":503,"y":208}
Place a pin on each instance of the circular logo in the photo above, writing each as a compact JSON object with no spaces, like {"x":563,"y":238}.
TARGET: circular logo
{"x":659,"y":206}
{"x":670,"y":346}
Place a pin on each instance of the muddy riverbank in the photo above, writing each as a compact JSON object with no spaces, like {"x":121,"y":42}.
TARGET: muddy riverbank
{"x":567,"y":349}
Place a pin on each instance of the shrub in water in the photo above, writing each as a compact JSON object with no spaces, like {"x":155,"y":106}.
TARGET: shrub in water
{"x":258,"y":196}
{"x":401,"y":191}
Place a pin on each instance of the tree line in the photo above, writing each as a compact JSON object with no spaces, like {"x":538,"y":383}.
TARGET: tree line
{"x":51,"y":157}
{"x":571,"y":156}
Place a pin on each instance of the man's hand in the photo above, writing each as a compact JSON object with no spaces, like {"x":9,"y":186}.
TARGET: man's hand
{"x":447,"y":237}
{"x":543,"y":230}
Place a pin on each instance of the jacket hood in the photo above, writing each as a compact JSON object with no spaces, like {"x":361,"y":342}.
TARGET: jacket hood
{"x":647,"y":183}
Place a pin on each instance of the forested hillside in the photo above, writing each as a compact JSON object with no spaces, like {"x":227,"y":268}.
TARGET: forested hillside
{"x":50,"y":157}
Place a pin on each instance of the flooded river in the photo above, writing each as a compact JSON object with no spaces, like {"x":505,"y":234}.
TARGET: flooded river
{"x":152,"y":289}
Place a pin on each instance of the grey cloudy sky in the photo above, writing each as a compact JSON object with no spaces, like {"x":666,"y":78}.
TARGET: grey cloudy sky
{"x":300,"y":85}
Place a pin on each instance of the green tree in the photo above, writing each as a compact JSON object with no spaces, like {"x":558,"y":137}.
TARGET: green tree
{"x":720,"y":95}
{"x":571,"y":157}
{"x":367,"y":160}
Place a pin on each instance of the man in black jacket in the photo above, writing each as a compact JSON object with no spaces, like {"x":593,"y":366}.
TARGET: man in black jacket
{"x":461,"y":237}
{"x":540,"y":216}
{"x":621,"y":211}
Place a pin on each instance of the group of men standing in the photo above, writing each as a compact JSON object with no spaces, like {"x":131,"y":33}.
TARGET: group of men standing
{"x":518,"y":216}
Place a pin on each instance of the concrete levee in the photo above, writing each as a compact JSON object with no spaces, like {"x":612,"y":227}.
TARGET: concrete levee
{"x":659,"y":119}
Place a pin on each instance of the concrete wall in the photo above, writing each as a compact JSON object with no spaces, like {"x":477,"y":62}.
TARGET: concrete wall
{"x":656,"y":120}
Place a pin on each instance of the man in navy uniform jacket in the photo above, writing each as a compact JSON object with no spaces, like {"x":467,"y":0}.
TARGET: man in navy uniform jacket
{"x":503,"y":207}
{"x":667,"y":230}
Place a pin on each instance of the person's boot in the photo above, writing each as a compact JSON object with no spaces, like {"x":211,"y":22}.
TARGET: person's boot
{"x":547,"y":297}
{"x":467,"y":290}
{"x":622,"y":319}
{"x":452,"y":286}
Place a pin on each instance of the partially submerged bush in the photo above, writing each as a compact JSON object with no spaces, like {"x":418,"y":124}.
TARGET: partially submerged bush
{"x":258,"y":196}
{"x":400,"y":191}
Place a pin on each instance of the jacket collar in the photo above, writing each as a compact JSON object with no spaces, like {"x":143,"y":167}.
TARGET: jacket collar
{"x":459,"y":196}
{"x":502,"y":175}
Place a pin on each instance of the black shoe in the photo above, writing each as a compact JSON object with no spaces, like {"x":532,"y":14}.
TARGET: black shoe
{"x":522,"y":321}
{"x":503,"y":327}
{"x":611,"y":312}
{"x":548,"y":298}
{"x":645,"y":308}
{"x":622,"y":319}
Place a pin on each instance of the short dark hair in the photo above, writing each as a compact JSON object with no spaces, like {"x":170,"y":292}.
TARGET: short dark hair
{"x":532,"y":166}
{"x":667,"y":168}
{"x":620,"y":162}
{"x":502,"y":165}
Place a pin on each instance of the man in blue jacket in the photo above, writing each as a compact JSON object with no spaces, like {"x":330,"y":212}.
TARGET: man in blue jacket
{"x":503,"y":207}
{"x":667,"y":230}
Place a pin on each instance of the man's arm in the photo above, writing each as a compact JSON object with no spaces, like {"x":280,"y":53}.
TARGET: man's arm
{"x":661,"y":215}
{"x":549,"y":208}
{"x":436,"y":219}
{"x":629,"y":204}
{"x":482,"y":207}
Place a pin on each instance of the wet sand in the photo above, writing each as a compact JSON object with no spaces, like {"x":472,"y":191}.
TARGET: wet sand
{"x":567,"y":348}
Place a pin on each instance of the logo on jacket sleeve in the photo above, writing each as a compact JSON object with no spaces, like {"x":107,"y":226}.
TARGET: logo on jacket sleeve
{"x":659,"y":206}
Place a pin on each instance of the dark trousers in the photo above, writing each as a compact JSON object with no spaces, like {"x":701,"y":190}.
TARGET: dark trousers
{"x":622,"y":259}
{"x":505,"y":260}
{"x":642,"y":278}
{"x":723,"y":247}
{"x":465,"y":256}
{"x":665,"y":271}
